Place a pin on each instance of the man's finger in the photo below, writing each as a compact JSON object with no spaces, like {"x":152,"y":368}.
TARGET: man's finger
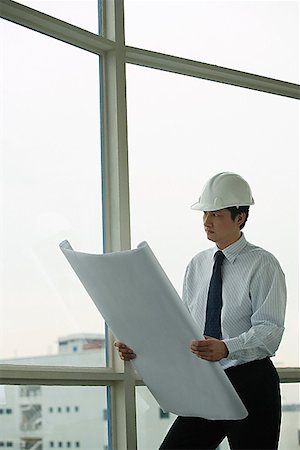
{"x":199,"y":345}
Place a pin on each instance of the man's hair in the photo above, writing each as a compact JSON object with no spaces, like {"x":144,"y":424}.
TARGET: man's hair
{"x":234,"y":212}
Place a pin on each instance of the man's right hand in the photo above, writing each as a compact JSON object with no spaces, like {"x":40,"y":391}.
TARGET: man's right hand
{"x":126,"y":354}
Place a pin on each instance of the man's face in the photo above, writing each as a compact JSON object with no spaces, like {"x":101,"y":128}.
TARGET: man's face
{"x":220,"y":228}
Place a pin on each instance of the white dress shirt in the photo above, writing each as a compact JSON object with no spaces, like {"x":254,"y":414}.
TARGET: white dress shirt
{"x":254,"y":299}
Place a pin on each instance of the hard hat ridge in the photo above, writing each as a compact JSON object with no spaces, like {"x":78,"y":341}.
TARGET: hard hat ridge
{"x":224,"y":190}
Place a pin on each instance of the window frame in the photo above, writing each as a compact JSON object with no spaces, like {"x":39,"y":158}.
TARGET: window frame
{"x":119,"y":377}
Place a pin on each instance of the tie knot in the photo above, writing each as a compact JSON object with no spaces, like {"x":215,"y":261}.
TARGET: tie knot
{"x":219,"y":256}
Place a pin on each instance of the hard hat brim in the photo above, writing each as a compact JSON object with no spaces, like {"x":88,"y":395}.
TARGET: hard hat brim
{"x":198,"y":207}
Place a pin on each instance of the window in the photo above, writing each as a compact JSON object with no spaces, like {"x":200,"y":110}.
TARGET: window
{"x":239,"y":35}
{"x":50,"y":409}
{"x":67,"y":409}
{"x":151,"y":429}
{"x":30,"y":391}
{"x":208,"y":118}
{"x":34,"y":422}
{"x":53,"y":179}
{"x":290,"y":416}
{"x":6,"y":411}
{"x":64,"y":174}
{"x":59,"y":409}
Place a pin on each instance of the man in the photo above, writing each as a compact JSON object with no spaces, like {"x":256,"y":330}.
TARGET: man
{"x":236,"y":293}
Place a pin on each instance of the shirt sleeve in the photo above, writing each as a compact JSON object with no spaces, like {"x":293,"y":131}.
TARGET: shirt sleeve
{"x":185,"y":288}
{"x":268,"y":300}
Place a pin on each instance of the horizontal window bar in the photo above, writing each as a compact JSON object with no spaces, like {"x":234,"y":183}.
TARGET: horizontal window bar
{"x":71,"y":376}
{"x":86,"y":376}
{"x":50,"y":26}
{"x":289,"y":374}
{"x":210,"y":72}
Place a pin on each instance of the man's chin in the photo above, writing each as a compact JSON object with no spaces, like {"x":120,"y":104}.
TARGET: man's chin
{"x":211,"y":237}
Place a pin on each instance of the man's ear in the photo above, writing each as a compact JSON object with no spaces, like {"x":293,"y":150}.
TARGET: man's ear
{"x":241,"y":218}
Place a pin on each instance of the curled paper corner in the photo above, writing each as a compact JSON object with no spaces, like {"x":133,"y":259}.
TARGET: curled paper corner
{"x":65,"y":245}
{"x":143,"y":244}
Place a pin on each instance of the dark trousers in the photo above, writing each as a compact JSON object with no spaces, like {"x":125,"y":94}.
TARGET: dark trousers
{"x":257,"y":384}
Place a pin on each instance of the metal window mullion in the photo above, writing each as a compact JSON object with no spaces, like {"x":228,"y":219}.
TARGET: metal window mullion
{"x":289,"y":374}
{"x":69,"y":376}
{"x":116,"y":221}
{"x":93,"y":376}
{"x":182,"y":66}
{"x":114,"y":160}
{"x":12,"y":374}
{"x":116,"y":217}
{"x":55,"y":28}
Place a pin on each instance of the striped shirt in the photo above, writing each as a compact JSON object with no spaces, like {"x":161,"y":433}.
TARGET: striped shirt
{"x":253,"y":295}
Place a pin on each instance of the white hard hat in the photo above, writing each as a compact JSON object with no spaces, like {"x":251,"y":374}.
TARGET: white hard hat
{"x":224,"y":190}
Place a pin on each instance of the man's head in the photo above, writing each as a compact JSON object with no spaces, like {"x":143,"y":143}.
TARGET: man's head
{"x":225,"y":201}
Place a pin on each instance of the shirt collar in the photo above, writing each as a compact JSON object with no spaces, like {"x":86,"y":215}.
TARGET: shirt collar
{"x":232,"y":251}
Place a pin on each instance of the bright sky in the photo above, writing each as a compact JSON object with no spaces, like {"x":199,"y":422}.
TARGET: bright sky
{"x":181,"y":131}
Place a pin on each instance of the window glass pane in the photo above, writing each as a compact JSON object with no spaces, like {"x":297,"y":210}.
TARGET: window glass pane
{"x":82,"y":13}
{"x":181,"y":132}
{"x":290,"y":429}
{"x":50,"y":191}
{"x":44,"y":417}
{"x":152,"y":423}
{"x":254,"y":36}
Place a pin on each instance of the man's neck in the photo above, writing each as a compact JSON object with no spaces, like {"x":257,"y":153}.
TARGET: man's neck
{"x":225,"y":244}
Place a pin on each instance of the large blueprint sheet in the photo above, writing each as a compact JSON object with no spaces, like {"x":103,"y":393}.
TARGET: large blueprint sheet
{"x":143,"y":309}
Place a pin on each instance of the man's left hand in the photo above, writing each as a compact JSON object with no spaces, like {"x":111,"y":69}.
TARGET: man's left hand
{"x":210,"y":349}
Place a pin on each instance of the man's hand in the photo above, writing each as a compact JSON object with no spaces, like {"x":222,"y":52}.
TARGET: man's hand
{"x":126,"y":354}
{"x":210,"y":349}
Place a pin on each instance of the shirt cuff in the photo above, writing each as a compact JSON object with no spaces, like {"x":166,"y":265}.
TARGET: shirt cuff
{"x":233,"y":345}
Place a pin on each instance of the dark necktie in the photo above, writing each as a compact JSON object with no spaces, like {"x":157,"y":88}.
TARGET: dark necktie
{"x":214,"y":300}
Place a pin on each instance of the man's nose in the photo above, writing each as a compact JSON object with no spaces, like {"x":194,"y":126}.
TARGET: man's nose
{"x":207,"y":219}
